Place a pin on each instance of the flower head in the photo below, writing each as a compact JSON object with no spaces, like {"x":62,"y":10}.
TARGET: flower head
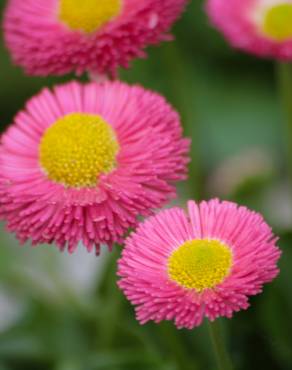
{"x":206,"y":263}
{"x":82,"y":162}
{"x":61,"y":36}
{"x":261,"y":27}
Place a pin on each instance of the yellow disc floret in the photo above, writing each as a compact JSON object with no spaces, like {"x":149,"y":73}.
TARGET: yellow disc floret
{"x":278,"y":22}
{"x":200,"y":264}
{"x":88,"y":15}
{"x":77,"y":149}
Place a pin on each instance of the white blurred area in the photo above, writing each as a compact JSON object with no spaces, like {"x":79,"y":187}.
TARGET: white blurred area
{"x":45,"y":274}
{"x":255,"y":167}
{"x":234,"y":171}
{"x":11,"y":309}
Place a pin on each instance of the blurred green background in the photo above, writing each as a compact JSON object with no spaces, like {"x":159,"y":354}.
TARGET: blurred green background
{"x":62,"y":312}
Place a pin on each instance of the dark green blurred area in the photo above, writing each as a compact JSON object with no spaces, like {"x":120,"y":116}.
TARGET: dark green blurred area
{"x":54,"y":317}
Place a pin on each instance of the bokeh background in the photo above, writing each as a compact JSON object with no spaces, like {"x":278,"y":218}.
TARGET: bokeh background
{"x":62,"y":312}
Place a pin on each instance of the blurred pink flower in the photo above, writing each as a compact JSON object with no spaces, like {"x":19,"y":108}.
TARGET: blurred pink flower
{"x":205,"y":264}
{"x":82,"y":162}
{"x":60,"y":36}
{"x":260,"y":27}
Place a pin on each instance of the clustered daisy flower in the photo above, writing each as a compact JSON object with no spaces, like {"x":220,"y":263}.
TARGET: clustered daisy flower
{"x":61,"y":36}
{"x":82,"y":162}
{"x":261,"y":27}
{"x":205,"y":263}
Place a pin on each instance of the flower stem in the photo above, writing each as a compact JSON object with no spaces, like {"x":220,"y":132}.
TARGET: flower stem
{"x":284,"y":74}
{"x":221,"y":354}
{"x":113,"y":300}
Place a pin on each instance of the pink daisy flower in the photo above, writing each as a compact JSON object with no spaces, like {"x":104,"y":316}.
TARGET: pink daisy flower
{"x":261,"y":27}
{"x":206,"y":263}
{"x":82,"y":162}
{"x":61,"y":36}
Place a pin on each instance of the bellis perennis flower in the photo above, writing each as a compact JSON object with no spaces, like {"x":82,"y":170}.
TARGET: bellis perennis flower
{"x":82,"y":162}
{"x":205,"y":263}
{"x":61,"y":36}
{"x":261,"y":27}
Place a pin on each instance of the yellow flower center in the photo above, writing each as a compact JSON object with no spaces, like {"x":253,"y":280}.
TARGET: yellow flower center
{"x":200,"y":264}
{"x":88,"y":15}
{"x":77,"y":149}
{"x":278,"y":22}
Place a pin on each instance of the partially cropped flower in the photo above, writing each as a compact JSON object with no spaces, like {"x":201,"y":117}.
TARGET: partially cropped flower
{"x":61,"y":36}
{"x":206,"y":263}
{"x":261,"y":27}
{"x":82,"y":162}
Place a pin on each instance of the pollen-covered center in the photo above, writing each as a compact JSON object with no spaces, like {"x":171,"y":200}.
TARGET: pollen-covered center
{"x":88,"y":15}
{"x":77,"y":149}
{"x":278,"y":22}
{"x":200,"y":264}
